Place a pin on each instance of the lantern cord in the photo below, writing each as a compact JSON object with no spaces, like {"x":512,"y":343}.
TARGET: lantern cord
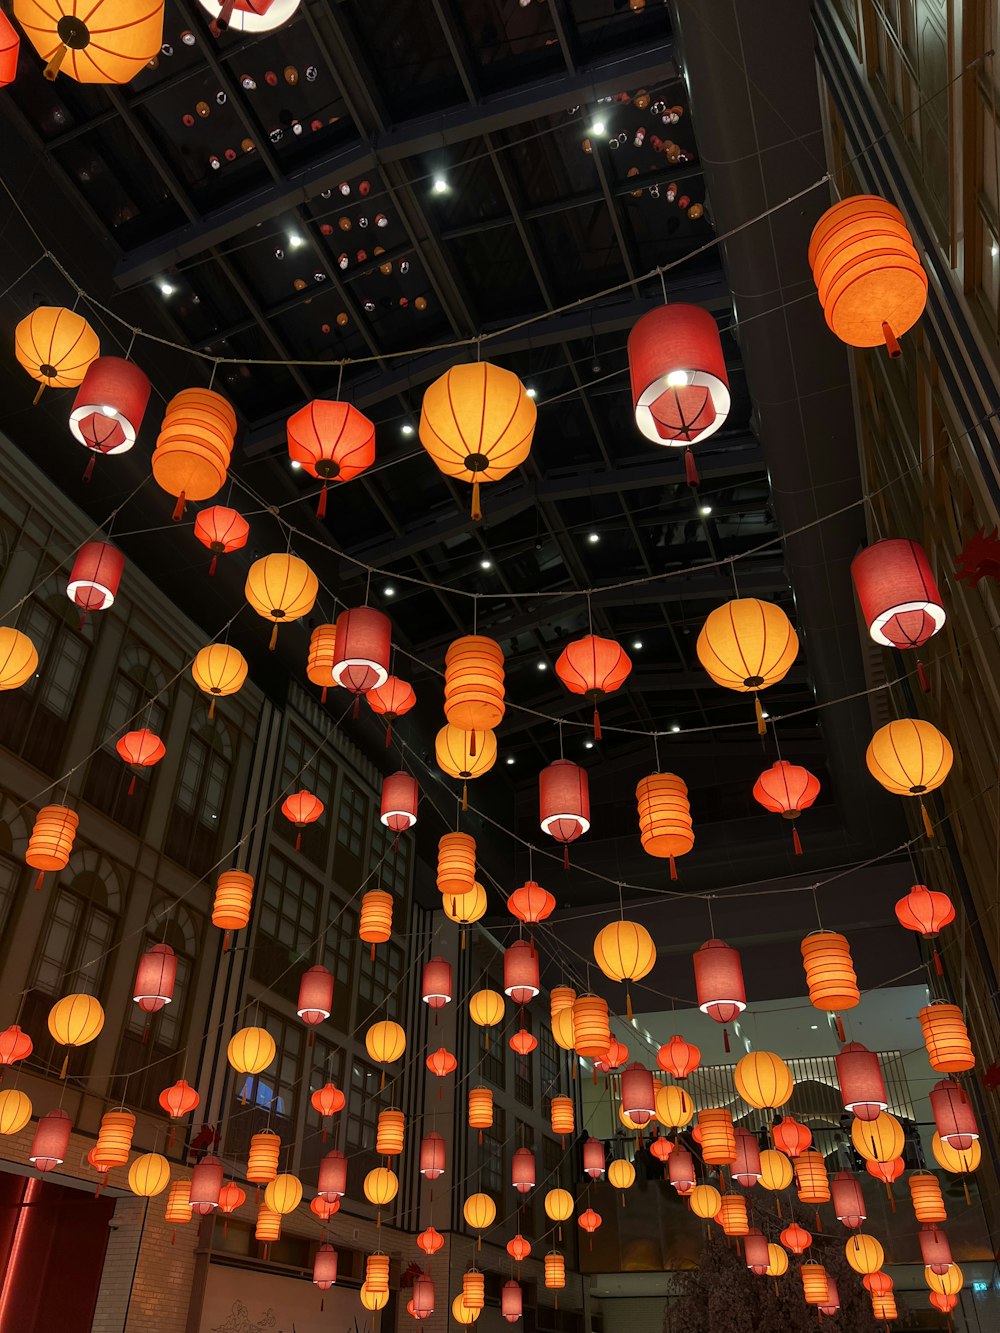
{"x":819,"y":919}
{"x":211,"y":378}
{"x":711,"y":921}
{"x":656,"y":752}
{"x":663,"y":284}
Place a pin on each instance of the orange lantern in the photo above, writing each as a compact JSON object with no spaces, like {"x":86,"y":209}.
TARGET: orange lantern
{"x":178,"y":1209}
{"x":221,"y":530}
{"x":775,"y":1170}
{"x":282,"y":588}
{"x":477,"y":423}
{"x":51,"y":840}
{"x":518,"y":1248}
{"x":268,"y":1228}
{"x":332,"y":441}
{"x":718,"y":1141}
{"x":18,"y":658}
{"x":179,"y":1099}
{"x":748,"y":645}
{"x":441,"y":1063}
{"x":391,"y":700}
{"x":564,"y":803}
{"x":624,"y":951}
{"x":319,"y":1207}
{"x":474,"y":684}
{"x":193,"y":449}
{"x":15,"y":1110}
{"x":149,"y":1175}
{"x":790,"y":1137}
{"x":114,"y":1139}
{"x":948,"y":1283}
{"x":233,"y":898}
{"x":595,"y":668}
{"x":375,"y":924}
{"x":796,"y":1238}
{"x":925,"y":911}
{"x":262,"y":1161}
{"x":327,"y":1101}
{"x":705,"y":1202}
{"x":251,"y":1050}
{"x":925,"y":1194}
{"x":678,"y":1057}
{"x":15,"y":1045}
{"x":55,"y":346}
{"x":943,"y":1302}
{"x":522,"y":1042}
{"x":946,"y":1038}
{"x":381,"y":1186}
{"x":140,"y":749}
{"x":732,"y":1215}
{"x":878,"y":1140}
{"x":531,"y":903}
{"x":864,"y":1253}
{"x":815,"y":1284}
{"x":591,"y":1027}
{"x":456,"y":866}
{"x":786,"y":789}
{"x":562,"y":1115}
{"x":486,"y":1008}
{"x":887,"y":1172}
{"x":465,"y":754}
{"x":870,"y":281}
{"x":385,"y":1042}
{"x":811,"y":1180}
{"x":473,"y":1290}
{"x":763,"y":1080}
{"x":389,"y":1133}
{"x":322,"y":655}
{"x":218,"y":670}
{"x":430,"y":1240}
{"x":301,"y":809}
{"x":910,"y":757}
{"x":110,"y":42}
{"x":480,"y":1108}
{"x":958,"y":1161}
{"x":10,"y":45}
{"x":555,"y":1271}
{"x":75,"y":1020}
{"x":674,"y":1108}
{"x":665,"y":827}
{"x":830,"y":974}
{"x":777,"y":1264}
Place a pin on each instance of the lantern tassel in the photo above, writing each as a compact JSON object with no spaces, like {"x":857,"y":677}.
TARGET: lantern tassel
{"x":225,"y":941}
{"x":840,"y":1028}
{"x":925,"y":684}
{"x":211,"y":708}
{"x":41,"y":388}
{"x":273,"y":641}
{"x":356,"y":711}
{"x":725,"y":1039}
{"x":465,"y":796}
{"x":65,"y":1065}
{"x":565,"y":856}
{"x":472,"y":744}
{"x":298,"y":841}
{"x":628,"y":1004}
{"x":673,"y":868}
{"x":928,"y":826}
{"x":761,"y":724}
{"x":965,"y":1187}
{"x":213,"y":566}
{"x":388,"y":734}
{"x":937,"y":964}
{"x":373,"y":951}
{"x":322,"y":695}
{"x":321,"y":503}
{"x":891,"y":341}
{"x":221,"y":22}
{"x":178,"y":513}
{"x":796,"y":843}
{"x":892,"y":1201}
{"x":131,"y":786}
{"x":477,"y":511}
{"x":690,"y":469}
{"x":597,"y":724}
{"x":38,"y":881}
{"x":173,"y":1238}
{"x":88,"y":471}
{"x":480,"y":1138}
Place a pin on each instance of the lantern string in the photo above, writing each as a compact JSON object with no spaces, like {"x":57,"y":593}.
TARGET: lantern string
{"x":211,"y":378}
{"x":711,"y":921}
{"x":815,"y":898}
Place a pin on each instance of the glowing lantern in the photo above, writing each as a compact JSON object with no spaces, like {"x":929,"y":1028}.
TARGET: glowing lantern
{"x":268,"y":1228}
{"x":385,"y":1042}
{"x":796,"y":1238}
{"x":558,"y":1205}
{"x":109,"y":406}
{"x":51,"y":840}
{"x":520,"y":972}
{"x":564,"y":802}
{"x":791,"y":1137}
{"x":325,"y":1267}
{"x":477,"y":422}
{"x":935,"y":1249}
{"x":680,"y":390}
{"x":680,"y":1169}
{"x":763,"y":1080}
{"x":522,"y":1042}
{"x":948,"y":1283}
{"x":746,"y":1164}
{"x":320,"y":1208}
{"x":755,"y":1252}
{"x":15,"y":1045}
{"x":95,"y":576}
{"x":531,"y":903}
{"x":178,"y":1209}
{"x":423,"y":1296}
{"x":327,"y":1101}
{"x":474,"y":685}
{"x":946,"y":1038}
{"x":233,"y":898}
{"x":332,"y":441}
{"x":953,"y":1115}
{"x":718,"y":1142}
{"x":665,"y":828}
{"x":191,"y":460}
{"x":364,"y":640}
{"x":432,"y":1155}
{"x":732,"y":1215}
{"x":777,"y":1265}
{"x":251,"y":1050}
{"x":75,"y":1020}
{"x":593,"y":667}
{"x":430,"y":1241}
{"x":262,"y":1160}
{"x":555,"y":1271}
{"x":465,"y":754}
{"x":436,"y":984}
{"x":518,"y":1248}
{"x":870,"y":281}
{"x":562,"y":1115}
{"x":678,"y":1057}
{"x":830,"y":976}
{"x":811,"y":1180}
{"x":661,"y":1148}
{"x":593,"y":1158}
{"x":206,"y":1185}
{"x":456,"y":865}
{"x":15,"y":1110}
{"x":373,"y":1300}
{"x":154,"y":982}
{"x":624,"y":951}
{"x":375,"y":924}
{"x":381,"y":1186}
{"x":179,"y":1099}
{"x":926,"y":911}
{"x":511,"y":1303}
{"x":149,"y":1175}
{"x":486,"y":1008}
{"x":786,"y":789}
{"x":899,"y":596}
{"x":562,"y":1024}
{"x":910,"y":757}
{"x":848,"y":1200}
{"x":218,"y":670}
{"x":864,"y":1253}
{"x":718,"y":979}
{"x":322,"y":655}
{"x":10,"y":45}
{"x":391,"y":700}
{"x":332,"y":1176}
{"x":55,"y":346}
{"x":301,"y":809}
{"x":480,"y":1108}
{"x":621,"y":1174}
{"x":926,"y":1197}
{"x":282,"y":588}
{"x":674,"y":1108}
{"x":638,"y":1096}
{"x":958,"y":1161}
{"x":441,"y":1063}
{"x":832,"y":1303}
{"x":18,"y":658}
{"x":887,"y":1172}
{"x":862,"y":1087}
{"x":468,"y":908}
{"x":775,"y":1170}
{"x":109,"y":43}
{"x":398,"y":810}
{"x":460,"y":1313}
{"x":879,"y":1284}
{"x":221,"y":530}
{"x":591,"y":1027}
{"x":747,"y":645}
{"x":615,"y":1057}
{"x":705,"y":1201}
{"x":942,"y":1302}
{"x":283,"y":1194}
{"x":51,"y":1141}
{"x":815,"y":1284}
{"x":140,"y":749}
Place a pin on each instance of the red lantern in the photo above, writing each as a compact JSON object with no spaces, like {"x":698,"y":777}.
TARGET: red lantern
{"x":441,"y":1063}
{"x":432,"y":1156}
{"x":315,"y":995}
{"x":531,"y":903}
{"x":332,"y":1183}
{"x":206,"y":1185}
{"x":430,"y":1240}
{"x":796,"y":1238}
{"x":926,"y":911}
{"x":861,"y":1084}
{"x":155,"y":979}
{"x":755,"y":1252}
{"x":511,"y":1302}
{"x":661,"y":1148}
{"x":51,"y":1141}
{"x":96,"y":574}
{"x":332,"y":441}
{"x":638,"y":1099}
{"x":589,"y":1220}
{"x":518,"y":1248}
{"x":879,"y":1284}
{"x":790,"y":1137}
{"x":954,"y":1117}
{"x":615,"y":1058}
{"x":678,"y":1057}
{"x":680,"y":390}
{"x":887,"y":1172}
{"x":109,"y":406}
{"x":436,"y":988}
{"x":899,"y":596}
{"x":943,"y":1302}
{"x":301,"y":808}
{"x":221,"y":530}
{"x":423,"y":1296}
{"x":14,"y":1045}
{"x":140,"y":749}
{"x":786,"y":789}
{"x":593,"y":1158}
{"x":522,"y":1042}
{"x":391,"y":700}
{"x":718,"y":979}
{"x":10,"y":44}
{"x":848,"y":1200}
{"x":564,"y":802}
{"x":231,"y":1197}
{"x":325,"y":1267}
{"x":595,"y":668}
{"x":399,"y":802}
{"x":681,"y":1170}
{"x":520,"y":971}
{"x":522,"y":1170}
{"x":364,"y":641}
{"x":934,"y":1248}
{"x":179,"y":1099}
{"x":327,"y":1101}
{"x":832,"y":1303}
{"x":746,"y":1167}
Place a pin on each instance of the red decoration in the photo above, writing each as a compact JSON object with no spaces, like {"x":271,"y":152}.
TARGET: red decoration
{"x":681,"y":1171}
{"x":96,"y":574}
{"x":206,"y":1185}
{"x":327,"y":1101}
{"x":861,"y":1084}
{"x":926,"y":911}
{"x":315,"y":995}
{"x":231,"y":1197}
{"x":518,"y":1248}
{"x":954,"y":1118}
{"x":678,"y":1057}
{"x":661,"y":1148}
{"x":595,"y":668}
{"x":155,"y":979}
{"x":991,"y":1077}
{"x":879,"y":1284}
{"x":791,"y":1138}
{"x":979,"y":559}
{"x":564,"y":802}
{"x":531,"y":903}
{"x":179,"y":1099}
{"x":436,"y":988}
{"x":221,"y":530}
{"x":942,"y":1302}
{"x":430,"y":1240}
{"x":832,"y":1303}
{"x":616,"y":1056}
{"x":14,"y":1045}
{"x":718,"y":978}
{"x":786,"y":789}
{"x":423,"y":1296}
{"x":324,"y":1209}
{"x":332,"y":1183}
{"x":522,"y":1170}
{"x":10,"y":44}
{"x":332,"y":441}
{"x":887,"y":1172}
{"x":522,"y":1042}
{"x":301,"y":808}
{"x":108,"y":408}
{"x":51,"y":1142}
{"x":593,"y":1158}
{"x":432,"y":1156}
{"x":746,"y":1167}
{"x":140,"y":749}
{"x":399,"y":802}
{"x":325,"y":1267}
{"x":520,"y":971}
{"x":899,"y":596}
{"x":848,"y":1199}
{"x":755,"y":1252}
{"x":392,"y":699}
{"x":511,"y":1302}
{"x":589,"y":1220}
{"x":680,"y":390}
{"x":364,"y":641}
{"x":796,"y":1238}
{"x":441,"y":1063}
{"x":934,"y":1248}
{"x":638,"y":1100}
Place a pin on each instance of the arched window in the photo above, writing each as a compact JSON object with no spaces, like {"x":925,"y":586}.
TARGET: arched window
{"x":200,"y":800}
{"x":138,"y":681}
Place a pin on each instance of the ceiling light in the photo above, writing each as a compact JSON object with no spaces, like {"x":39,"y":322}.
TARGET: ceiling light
{"x":598,"y":127}
{"x":167,"y":288}
{"x":637,"y":644}
{"x":295,"y":240}
{"x":486,"y":564}
{"x":593,"y":537}
{"x":764,"y":713}
{"x":704,"y":510}
{"x":440,"y":185}
{"x":389,"y":590}
{"x":295,"y":465}
{"x":676,"y":727}
{"x":406,"y":428}
{"x":532,"y":393}
{"x":588,"y":745}
{"x":677,"y":379}
{"x":814,"y":1026}
{"x":510,"y":759}
{"x":542,"y":666}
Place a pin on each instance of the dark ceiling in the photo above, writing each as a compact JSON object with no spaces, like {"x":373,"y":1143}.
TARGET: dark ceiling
{"x":250,"y":233}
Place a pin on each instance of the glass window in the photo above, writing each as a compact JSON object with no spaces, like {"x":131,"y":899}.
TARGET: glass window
{"x":34,"y":720}
{"x":548,"y":1066}
{"x":389,"y":859}
{"x":380,"y":982}
{"x":287,"y":929}
{"x":492,"y":1156}
{"x":339,"y":953}
{"x":267,"y":1100}
{"x":10,"y":871}
{"x":199,"y":804}
{"x":352,"y":828}
{"x":304,"y":766}
{"x":492,"y":1056}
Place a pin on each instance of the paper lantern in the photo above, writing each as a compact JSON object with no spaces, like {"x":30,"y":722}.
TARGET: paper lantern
{"x":864,"y":1253}
{"x":746,"y":1164}
{"x":179,"y":1099}
{"x":934,"y":1249}
{"x":486,"y":1008}
{"x":830,"y":976}
{"x":15,"y":1045}
{"x":191,"y":460}
{"x":95,"y":576}
{"x":815,"y":1284}
{"x":480,"y":1108}
{"x":206,"y":1185}
{"x":219,"y":670}
{"x":251,"y":1050}
{"x":51,"y":1141}
{"x":477,"y":422}
{"x":593,"y":1158}
{"x":665,"y":828}
{"x":474,"y":685}
{"x":680,"y":390}
{"x":178,"y":1209}
{"x":621,"y":1174}
{"x":111,"y":42}
{"x":811,"y":1179}
{"x":718,"y":979}
{"x":460,"y":1313}
{"x":948,"y":1283}
{"x":320,"y":1208}
{"x":18,"y":658}
{"x":385,"y":1042}
{"x":615,"y":1057}
{"x":221,"y":530}
{"x":233,"y":899}
{"x":777,"y":1265}
{"x":747,"y":645}
{"x":848,"y":1200}
{"x":140,"y":749}
{"x":423,"y":1296}
{"x":381,"y":1186}
{"x":456,"y":865}
{"x":732,"y":1215}
{"x":155,"y":979}
{"x":430,"y":1240}
{"x":149,"y":1175}
{"x":925,"y":911}
{"x":878,"y":1284}
{"x":389,"y":1133}
{"x":262,"y":1159}
{"x":436,"y":983}
{"x":473,"y":1290}
{"x":718,"y":1142}
{"x":301,"y":809}
{"x":465,"y":754}
{"x":763,"y":1080}
{"x":564,"y":802}
{"x":942,"y":1302}
{"x":791,"y":1137}
{"x":661,"y":1148}
{"x":910,"y":757}
{"x":705,"y":1201}
{"x":887,"y":1172}
{"x":558,"y":1205}
{"x":373,"y":1300}
{"x":75,"y":1020}
{"x":591,"y":1027}
{"x":321,"y":657}
{"x":958,"y":1161}
{"x":467,"y":909}
{"x":796,"y":1238}
{"x":593,"y":667}
{"x":775,"y":1170}
{"x":862,"y":1087}
{"x":531,"y":903}
{"x":432,"y":1155}
{"x":248,"y":16}
{"x":555,"y":1271}
{"x":786,"y":789}
{"x":832,"y":1303}
{"x":282,"y":588}
{"x":391,"y":700}
{"x":55,"y":346}
{"x":51,"y":840}
{"x":562,"y":1115}
{"x":325,"y":1267}
{"x":899,"y":596}
{"x":511,"y":1304}
{"x":283,"y":1194}
{"x":953,"y":1115}
{"x":332,"y":1184}
{"x":518,"y":1248}
{"x":678,"y":1057}
{"x":674,"y":1108}
{"x":563,"y":1033}
{"x":15,"y":1110}
{"x":926,"y":1197}
{"x":109,"y":406}
{"x":332,"y":441}
{"x":520,"y":972}
{"x":10,"y":45}
{"x":946,"y":1038}
{"x":680,"y":1169}
{"x":479,"y":1212}
{"x":870,"y":281}
{"x":755,"y":1252}
{"x":364,"y":641}
{"x":638,"y":1095}
{"x":441,"y":1063}
{"x":522,"y":1042}
{"x":327,"y":1101}
{"x":624,"y":951}
{"x":398,"y":810}
{"x":375,"y":924}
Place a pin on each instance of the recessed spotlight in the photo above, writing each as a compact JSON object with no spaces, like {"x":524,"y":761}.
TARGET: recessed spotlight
{"x":598,"y":127}
{"x":676,"y":727}
{"x":542,"y":666}
{"x":406,"y":428}
{"x":637,"y":644}
{"x":588,"y":745}
{"x":389,"y":590}
{"x":440,"y":185}
{"x":296,"y":465}
{"x":295,"y":240}
{"x":677,"y":379}
{"x":510,"y":759}
{"x":764,"y":713}
{"x":593,"y":538}
{"x":167,"y":288}
{"x":532,"y":393}
{"x":814,"y":1026}
{"x":704,"y":510}
{"x":486,"y":564}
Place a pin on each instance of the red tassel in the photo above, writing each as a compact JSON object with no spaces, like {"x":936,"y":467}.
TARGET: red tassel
{"x":465,"y":796}
{"x":170,"y":1137}
{"x":225,"y":941}
{"x":38,"y":881}
{"x":597,"y":724}
{"x":796,"y":844}
{"x":373,"y":952}
{"x":357,"y":707}
{"x":388,"y":734}
{"x":324,"y":1131}
{"x":273,"y":641}
{"x":88,"y":471}
{"x":937,"y":964}
{"x":312,"y":1037}
{"x":565,"y":856}
{"x":322,"y":696}
{"x":673,"y":868}
{"x":178,"y":513}
{"x":480,"y":1138}
{"x":82,"y":621}
{"x":211,"y":708}
{"x":212,"y":567}
{"x":298,"y":841}
{"x":321,"y":503}
{"x":477,"y":511}
{"x":928,"y":826}
{"x":840,"y":1029}
{"x":819,"y":1223}
{"x":472,"y":744}
{"x":690,"y":469}
{"x":322,"y":1304}
{"x":925,"y":684}
{"x":891,"y":342}
{"x":131,"y":786}
{"x":173,"y":1238}
{"x":725,"y":1039}
{"x":145,"y":1035}
{"x":221,"y":22}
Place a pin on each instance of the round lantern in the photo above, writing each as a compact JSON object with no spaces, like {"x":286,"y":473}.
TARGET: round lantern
{"x":233,"y":898}
{"x":954,"y":1117}
{"x":558,"y":1205}
{"x":327,"y":1101}
{"x":51,"y":840}
{"x":899,"y":596}
{"x":591,"y":1027}
{"x":221,"y":530}
{"x":830,"y":975}
{"x":109,"y":405}
{"x":55,"y":346}
{"x":381,"y":1186}
{"x":474,"y":1289}
{"x":282,"y":588}
{"x":621,"y":1174}
{"x":283,"y":1194}
{"x":958,"y":1161}
{"x":948,"y":1283}
{"x":262,"y":1159}
{"x":674,"y":1108}
{"x":811,"y":1180}
{"x":206,"y":1185}
{"x":878,"y":1140}
{"x":323,"y":1210}
{"x":218,"y":670}
{"x":678,"y":1057}
{"x":486,"y":1008}
{"x":75,"y":1020}
{"x":593,"y":1158}
{"x":869,"y":278}
{"x":879,"y":1284}
{"x":461,"y":1313}
{"x":680,"y":390}
{"x":562,"y":1115}
{"x":732,"y":1215}
{"x":398,"y":810}
{"x":332,"y":441}
{"x":775,"y":1170}
{"x":786,"y":789}
{"x":389,"y":1133}
{"x":193,"y":449}
{"x":763,"y":1080}
{"x":848,"y":1200}
{"x":747,"y":645}
{"x":430,"y":1240}
{"x":149,"y":1175}
{"x":441,"y":1063}
{"x":746,"y":1164}
{"x":511,"y":1302}
{"x":391,"y":700}
{"x":154,"y":982}
{"x":108,"y":43}
{"x":705,"y":1201}
{"x":465,"y":754}
{"x":946,"y":1038}
{"x":531,"y":903}
{"x":251,"y":1050}
{"x":480,"y":1108}
{"x":910,"y":757}
{"x":385,"y":1042}
{"x":467,"y":909}
{"x":95,"y":576}
{"x":564,"y":802}
{"x":15,"y":1045}
{"x":638,"y":1094}
{"x":373,"y":1300}
{"x":436,"y":984}
{"x":332,"y":1184}
{"x":518,"y":1248}
{"x":456,"y":865}
{"x":18,"y":658}
{"x":790,"y":1137}
{"x":325,"y":1267}
{"x":887,"y":1172}
{"x":555,"y":1271}
{"x":593,"y":667}
{"x":624,"y":951}
{"x":51,"y":1141}
{"x":944,"y":1303}
{"x":522,"y":1042}
{"x":15,"y":1110}
{"x":815,"y":1284}
{"x":140,"y":749}
{"x":178,"y":1209}
{"x":796,"y":1238}
{"x":680,"y":1169}
{"x":864,"y":1253}
{"x":665,"y":828}
{"x":520,"y":973}
{"x":926,"y":1197}
{"x":301,"y":809}
{"x":935,"y":1249}
{"x":474,"y":685}
{"x":777,"y":1261}
{"x":179,"y":1099}
{"x":375,"y":924}
{"x":718,"y":979}
{"x":477,"y":422}
{"x":925,"y":911}
{"x":862,"y":1087}
{"x":718,"y":1142}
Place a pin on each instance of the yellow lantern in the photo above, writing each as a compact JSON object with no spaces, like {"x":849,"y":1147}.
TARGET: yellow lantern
{"x":373,"y":1300}
{"x":178,"y":1210}
{"x":377,"y":1273}
{"x":375,"y":923}
{"x":705,"y":1201}
{"x":55,"y":345}
{"x":381,"y":1186}
{"x":763,"y":1080}
{"x":811,"y":1179}
{"x":18,"y":658}
{"x":591,"y":1027}
{"x":564,"y":1029}
{"x":114,"y":1140}
{"x":15,"y":1110}
{"x":558,"y":1205}
{"x":480,"y":1212}
{"x":461,"y":1313}
{"x":268,"y":1228}
{"x":946,"y":1038}
{"x":960,"y":1163}
{"x":878,"y":1140}
{"x":110,"y":41}
{"x":864,"y":1253}
{"x":75,"y":1020}
{"x":389,"y":1133}
{"x":218,"y":670}
{"x":624,"y":951}
{"x":718,"y":1140}
{"x":830,"y":974}
{"x":385,"y":1042}
{"x":746,"y":646}
{"x":775,"y":1170}
{"x":283,"y":1194}
{"x":562,"y":1114}
{"x":486,"y":1008}
{"x":149,"y":1175}
{"x":465,"y":754}
{"x":480,"y":1108}
{"x":949,"y":1283}
{"x":473,"y":1290}
{"x":673,"y":1107}
{"x":251,"y":1050}
{"x":281,"y":588}
{"x":468,"y":908}
{"x":732,"y":1216}
{"x":621,"y":1174}
{"x":777,"y":1260}
{"x":910,"y":757}
{"x":262,"y":1161}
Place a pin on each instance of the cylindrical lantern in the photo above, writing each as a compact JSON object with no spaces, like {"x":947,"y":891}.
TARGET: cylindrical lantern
{"x":786,"y":789}
{"x":18,"y":658}
{"x":775,"y":1170}
{"x":473,"y":1289}
{"x":222,"y":530}
{"x":218,"y":670}
{"x":830,"y":975}
{"x":555,"y":1271}
{"x":848,"y":1200}
{"x":364,"y":641}
{"x":389,"y":1132}
{"x":114,"y":1139}
{"x":593,"y":667}
{"x":456,"y":865}
{"x":680,"y":390}
{"x":193,"y":449}
{"x":149,"y":1175}
{"x":398,"y":810}
{"x":718,"y":1142}
{"x":832,"y":1303}
{"x":946,"y":1038}
{"x":705,"y":1201}
{"x":155,"y":978}
{"x":283,"y":1194}
{"x":593,"y":1158}
{"x":51,"y":840}
{"x":926,"y":1197}
{"x":665,"y":827}
{"x":638,"y":1094}
{"x":815,"y":1284}
{"x":233,"y":898}
{"x":562,"y":1115}
{"x":747,"y":645}
{"x":811,"y":1180}
{"x":718,"y":979}
{"x":377,"y":1273}
{"x":325,"y":1267}
{"x":678,"y":1057}
{"x":791,"y":1137}
{"x":423,"y":1296}
{"x":206,"y":1185}
{"x":898,"y":593}
{"x":934,"y":1248}
{"x":436,"y":985}
{"x":746,"y":1165}
{"x":864,"y":1253}
{"x":522,"y":1170}
{"x":862,"y":1087}
{"x":251,"y":1050}
{"x":474,"y":684}
{"x":520,"y":971}
{"x":763,"y":1080}
{"x":674,"y":1108}
{"x":178,"y":1209}
{"x":732,"y":1215}
{"x":15,"y":1110}
{"x":332,"y":441}
{"x":375,"y":923}
{"x":511,"y":1305}
{"x":680,"y":1169}
{"x":55,"y":346}
{"x":282,"y":588}
{"x":332,"y":1176}
{"x":381,"y":1186}
{"x":385,"y":1042}
{"x":953,"y":1115}
{"x":531,"y":903}
{"x":796,"y":1238}
{"x":480,"y":1108}
{"x":925,"y":911}
{"x":564,"y":802}
{"x":591,"y":1027}
{"x":51,"y":1141}
{"x":262,"y":1160}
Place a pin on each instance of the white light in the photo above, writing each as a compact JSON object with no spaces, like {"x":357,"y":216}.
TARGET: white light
{"x":598,"y":127}
{"x":593,"y":537}
{"x":532,"y":393}
{"x":814,"y":1026}
{"x":542,"y":666}
{"x":389,"y":590}
{"x":486,"y":564}
{"x":108,"y":411}
{"x":588,"y":745}
{"x":167,"y":288}
{"x":637,"y":644}
{"x":995,"y":250}
{"x":705,"y":510}
{"x":406,"y":428}
{"x":677,"y":379}
{"x":676,"y":727}
{"x":440,"y":185}
{"x":764,"y":713}
{"x":295,"y":240}
{"x":295,"y":465}
{"x":510,"y":759}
